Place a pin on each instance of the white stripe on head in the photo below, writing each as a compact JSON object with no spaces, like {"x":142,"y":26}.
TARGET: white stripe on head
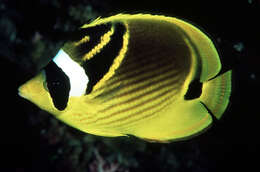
{"x":76,"y":74}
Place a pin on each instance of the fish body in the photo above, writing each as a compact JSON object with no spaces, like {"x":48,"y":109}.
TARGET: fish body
{"x":151,"y":76}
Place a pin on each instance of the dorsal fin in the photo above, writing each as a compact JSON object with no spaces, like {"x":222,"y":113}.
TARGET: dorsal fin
{"x":205,"y":49}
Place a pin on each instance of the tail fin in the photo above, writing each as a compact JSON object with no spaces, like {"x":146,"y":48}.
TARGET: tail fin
{"x":216,"y":92}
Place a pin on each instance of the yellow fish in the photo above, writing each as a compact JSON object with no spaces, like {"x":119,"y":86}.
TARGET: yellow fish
{"x":155,"y":77}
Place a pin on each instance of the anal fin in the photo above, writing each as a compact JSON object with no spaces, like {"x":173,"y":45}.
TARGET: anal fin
{"x":180,"y":121}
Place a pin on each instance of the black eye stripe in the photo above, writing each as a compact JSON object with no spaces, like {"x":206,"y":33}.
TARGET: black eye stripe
{"x":58,"y":85}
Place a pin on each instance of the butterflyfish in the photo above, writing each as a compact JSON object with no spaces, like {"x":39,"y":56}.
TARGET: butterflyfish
{"x":150,"y":76}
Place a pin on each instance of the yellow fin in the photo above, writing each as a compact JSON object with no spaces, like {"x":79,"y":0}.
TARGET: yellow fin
{"x":204,"y":48}
{"x":216,"y":93}
{"x":179,"y":121}
{"x":209,"y":57}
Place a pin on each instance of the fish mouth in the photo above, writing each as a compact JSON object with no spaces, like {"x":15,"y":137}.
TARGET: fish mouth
{"x":22,"y":91}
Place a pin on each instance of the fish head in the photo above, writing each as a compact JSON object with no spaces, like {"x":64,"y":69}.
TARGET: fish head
{"x":35,"y":90}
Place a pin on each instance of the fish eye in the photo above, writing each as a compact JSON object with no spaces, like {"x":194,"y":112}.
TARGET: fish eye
{"x":55,"y":83}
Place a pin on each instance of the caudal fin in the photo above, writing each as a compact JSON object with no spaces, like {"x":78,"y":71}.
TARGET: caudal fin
{"x":216,"y":92}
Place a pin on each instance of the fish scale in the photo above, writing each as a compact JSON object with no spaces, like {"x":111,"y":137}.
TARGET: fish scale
{"x":152,"y":78}
{"x":124,"y":103}
{"x":142,"y":75}
{"x":131,"y":71}
{"x":132,"y":88}
{"x":142,"y":108}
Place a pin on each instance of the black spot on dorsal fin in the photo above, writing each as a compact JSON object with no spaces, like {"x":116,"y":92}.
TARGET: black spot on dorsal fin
{"x":58,"y":85}
{"x":194,"y":90}
{"x":99,"y":65}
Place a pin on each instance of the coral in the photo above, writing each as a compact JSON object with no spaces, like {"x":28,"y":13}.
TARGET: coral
{"x":101,"y":165}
